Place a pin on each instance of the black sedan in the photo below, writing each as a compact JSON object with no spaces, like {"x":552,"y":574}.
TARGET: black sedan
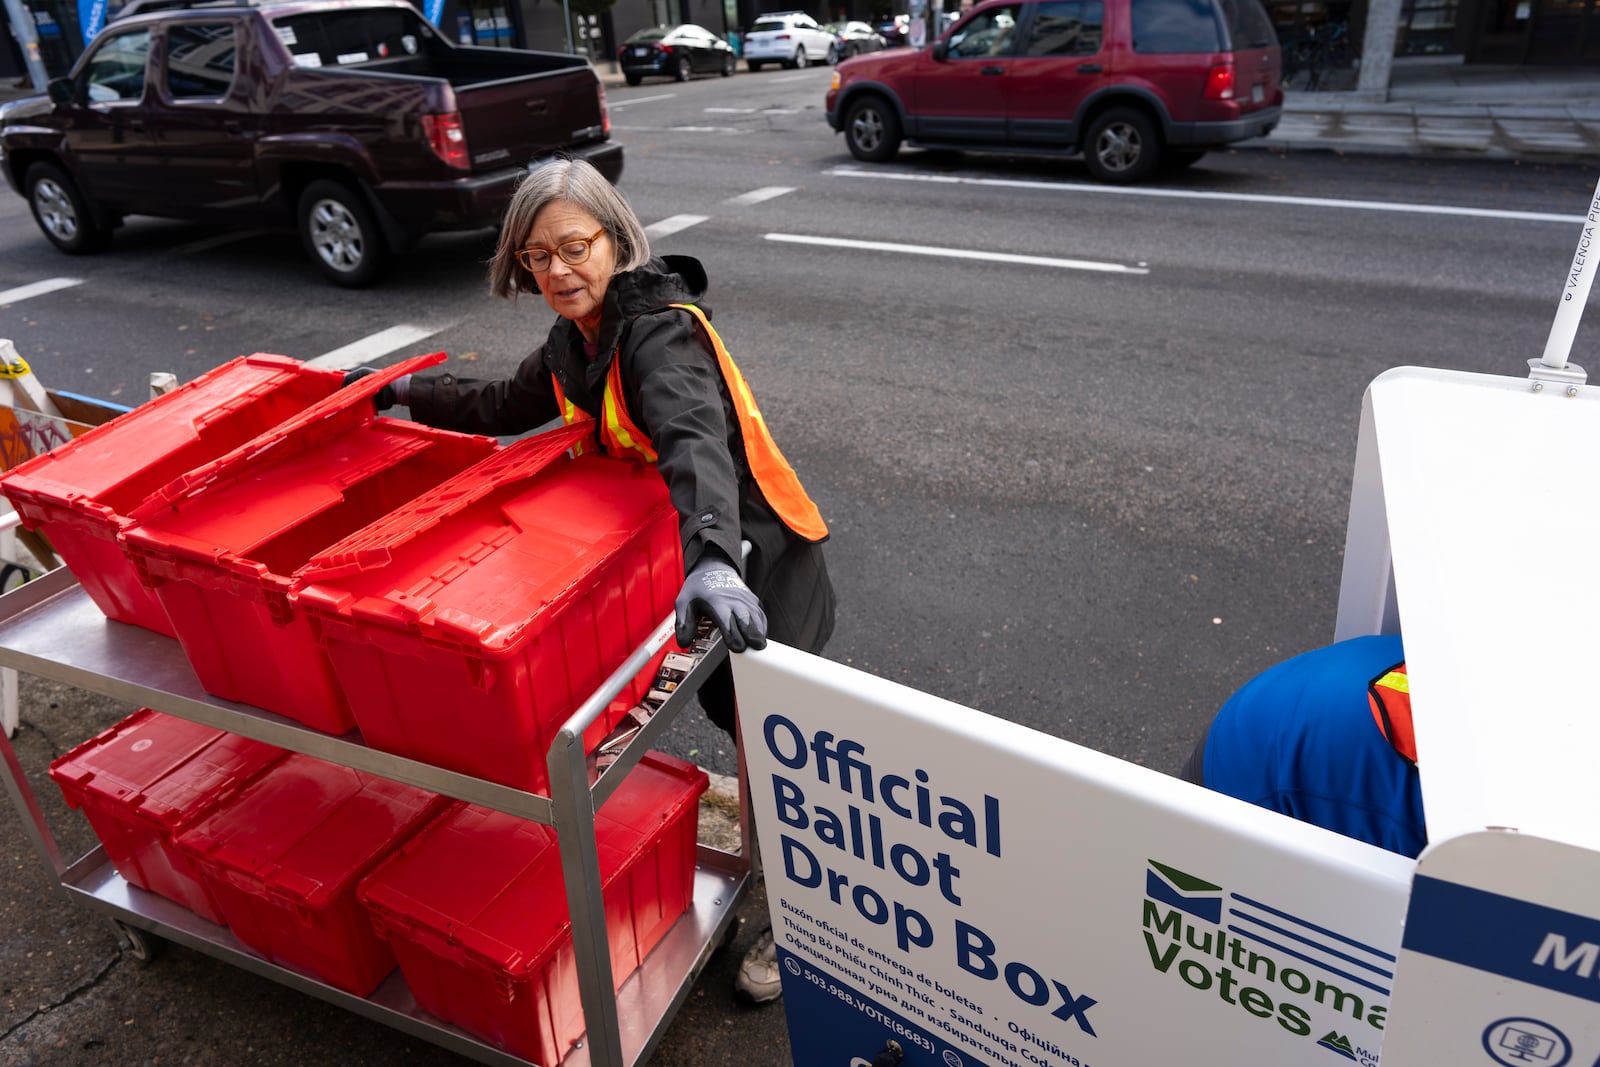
{"x":675,"y":52}
{"x":856,"y":38}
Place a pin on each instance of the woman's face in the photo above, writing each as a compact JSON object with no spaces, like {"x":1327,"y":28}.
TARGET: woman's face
{"x":575,"y":292}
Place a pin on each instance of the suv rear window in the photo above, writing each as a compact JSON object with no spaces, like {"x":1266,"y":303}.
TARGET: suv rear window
{"x":1175,"y":26}
{"x":769,"y":25}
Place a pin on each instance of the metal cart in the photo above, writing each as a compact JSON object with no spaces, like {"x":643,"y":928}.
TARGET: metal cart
{"x":50,"y":628}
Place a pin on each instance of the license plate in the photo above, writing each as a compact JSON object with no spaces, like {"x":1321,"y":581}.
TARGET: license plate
{"x":641,"y":51}
{"x":1257,"y":94}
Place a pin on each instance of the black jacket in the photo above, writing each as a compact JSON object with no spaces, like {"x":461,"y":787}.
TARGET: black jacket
{"x":673,"y":390}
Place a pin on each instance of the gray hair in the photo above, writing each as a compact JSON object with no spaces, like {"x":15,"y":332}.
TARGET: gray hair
{"x":578,"y":183}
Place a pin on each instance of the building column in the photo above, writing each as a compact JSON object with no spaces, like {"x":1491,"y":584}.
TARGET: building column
{"x":1377,"y":49}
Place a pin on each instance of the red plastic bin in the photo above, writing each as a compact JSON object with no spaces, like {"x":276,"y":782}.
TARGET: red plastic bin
{"x":282,"y":860}
{"x":148,"y":779}
{"x":219,"y":545}
{"x":80,"y":493}
{"x":466,"y":627}
{"x":476,"y":911}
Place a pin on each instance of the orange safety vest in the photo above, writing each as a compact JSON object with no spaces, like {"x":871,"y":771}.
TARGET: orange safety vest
{"x":778,"y":481}
{"x":1389,"y":695}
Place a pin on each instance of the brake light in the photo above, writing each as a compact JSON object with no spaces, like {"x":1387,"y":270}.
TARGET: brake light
{"x":605,"y":116}
{"x":447,"y":139}
{"x":781,"y":37}
{"x":1219,"y":82}
{"x":664,"y":49}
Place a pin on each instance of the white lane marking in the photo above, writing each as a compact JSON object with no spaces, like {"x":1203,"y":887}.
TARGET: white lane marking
{"x":957,"y":253}
{"x":789,"y":78}
{"x":1246,"y":198}
{"x":672,"y":224}
{"x":372,"y":347}
{"x":206,"y":244}
{"x":730,"y":111}
{"x":626,"y":101}
{"x":679,"y":129}
{"x":756,"y":196}
{"x":49,"y":285}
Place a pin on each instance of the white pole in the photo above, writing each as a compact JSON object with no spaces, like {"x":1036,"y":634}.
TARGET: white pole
{"x":1575,"y":291}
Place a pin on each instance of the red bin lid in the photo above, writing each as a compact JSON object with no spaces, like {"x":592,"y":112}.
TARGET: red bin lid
{"x":307,"y":829}
{"x":162,"y":769}
{"x":122,"y":453}
{"x":490,"y":884}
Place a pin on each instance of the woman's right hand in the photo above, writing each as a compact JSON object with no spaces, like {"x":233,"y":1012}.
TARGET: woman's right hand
{"x":713,"y":588}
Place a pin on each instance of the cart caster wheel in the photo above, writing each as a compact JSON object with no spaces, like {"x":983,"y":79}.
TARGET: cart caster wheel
{"x":142,"y":946}
{"x":12,"y":576}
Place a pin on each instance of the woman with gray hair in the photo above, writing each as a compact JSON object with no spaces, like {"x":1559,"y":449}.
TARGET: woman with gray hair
{"x":634,"y":351}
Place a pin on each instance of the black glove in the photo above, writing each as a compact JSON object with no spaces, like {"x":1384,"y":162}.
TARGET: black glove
{"x":714,"y":589}
{"x":384,"y":398}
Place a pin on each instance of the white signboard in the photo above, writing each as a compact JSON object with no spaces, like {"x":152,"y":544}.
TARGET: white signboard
{"x":1501,"y":959}
{"x":983,"y":894}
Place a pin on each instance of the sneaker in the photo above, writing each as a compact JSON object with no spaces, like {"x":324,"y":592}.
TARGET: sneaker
{"x":758,"y":980}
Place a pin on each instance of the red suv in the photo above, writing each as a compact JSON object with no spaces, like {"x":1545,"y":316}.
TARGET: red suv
{"x":1134,"y":85}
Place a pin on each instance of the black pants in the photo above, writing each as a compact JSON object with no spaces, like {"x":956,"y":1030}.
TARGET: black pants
{"x":799,"y":602}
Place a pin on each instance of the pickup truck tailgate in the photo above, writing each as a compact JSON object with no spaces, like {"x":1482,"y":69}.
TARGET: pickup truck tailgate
{"x":506,"y":123}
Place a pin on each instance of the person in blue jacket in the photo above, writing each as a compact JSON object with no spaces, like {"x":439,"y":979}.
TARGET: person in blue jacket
{"x":1324,"y":737}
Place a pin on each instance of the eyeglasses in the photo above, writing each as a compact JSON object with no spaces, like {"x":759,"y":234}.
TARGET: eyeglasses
{"x":537,"y":259}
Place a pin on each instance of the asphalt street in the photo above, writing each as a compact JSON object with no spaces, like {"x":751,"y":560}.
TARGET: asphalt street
{"x":1085,"y":452}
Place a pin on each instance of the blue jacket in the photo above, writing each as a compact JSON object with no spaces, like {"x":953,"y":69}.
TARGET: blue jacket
{"x":1300,"y":738}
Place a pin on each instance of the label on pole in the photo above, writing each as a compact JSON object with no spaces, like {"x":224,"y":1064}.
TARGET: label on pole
{"x":988,"y":896}
{"x":1574,"y":290}
{"x":91,"y":18}
{"x":433,"y":11}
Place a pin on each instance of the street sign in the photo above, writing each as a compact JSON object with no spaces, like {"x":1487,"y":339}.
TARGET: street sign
{"x":984,"y":894}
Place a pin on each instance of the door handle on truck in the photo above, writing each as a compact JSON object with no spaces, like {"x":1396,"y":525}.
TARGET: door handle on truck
{"x":539,"y":106}
{"x":992,"y":70}
{"x":1089,"y":68}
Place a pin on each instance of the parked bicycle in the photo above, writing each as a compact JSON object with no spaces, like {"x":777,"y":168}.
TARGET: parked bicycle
{"x":1312,"y":58}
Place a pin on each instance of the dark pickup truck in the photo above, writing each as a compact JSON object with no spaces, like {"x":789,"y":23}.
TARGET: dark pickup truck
{"x":353,"y":120}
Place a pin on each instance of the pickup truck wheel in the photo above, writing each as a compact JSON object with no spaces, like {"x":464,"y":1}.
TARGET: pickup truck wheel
{"x":1122,"y":147}
{"x":340,"y":233}
{"x":727,"y":65}
{"x":682,"y":70}
{"x":872,"y":130}
{"x":63,"y":215}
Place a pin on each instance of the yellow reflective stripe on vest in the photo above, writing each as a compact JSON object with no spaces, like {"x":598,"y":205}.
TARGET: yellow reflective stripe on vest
{"x":1395,"y":680}
{"x":570,"y":413}
{"x":621,"y":435}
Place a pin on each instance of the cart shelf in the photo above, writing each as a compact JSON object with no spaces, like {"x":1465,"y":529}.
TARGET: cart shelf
{"x":50,"y":628}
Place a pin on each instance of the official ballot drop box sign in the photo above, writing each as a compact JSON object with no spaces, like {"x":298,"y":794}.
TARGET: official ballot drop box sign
{"x":985,"y":894}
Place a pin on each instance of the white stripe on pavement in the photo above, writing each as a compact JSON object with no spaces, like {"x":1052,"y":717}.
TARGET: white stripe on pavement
{"x":730,"y":111}
{"x":617,"y":128}
{"x":790,"y":78}
{"x":624,"y":102}
{"x":49,"y":285}
{"x":372,"y":347}
{"x":1183,"y":194}
{"x":957,"y":253}
{"x":672,"y":224}
{"x":756,"y":196}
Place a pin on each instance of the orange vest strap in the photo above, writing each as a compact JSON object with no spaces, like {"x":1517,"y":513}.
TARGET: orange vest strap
{"x":779,"y":484}
{"x":1389,"y":696}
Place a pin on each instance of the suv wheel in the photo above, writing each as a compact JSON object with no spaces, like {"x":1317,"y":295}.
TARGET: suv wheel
{"x":872,"y":130}
{"x":799,"y":60}
{"x":833,"y":55}
{"x":727,"y":65}
{"x":340,"y":233}
{"x":63,"y":215}
{"x":634,"y":79}
{"x":682,"y":71}
{"x":754,"y":66}
{"x":1122,"y":147}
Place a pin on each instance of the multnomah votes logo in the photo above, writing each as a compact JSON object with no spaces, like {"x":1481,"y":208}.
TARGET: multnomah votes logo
{"x":1267,"y":963}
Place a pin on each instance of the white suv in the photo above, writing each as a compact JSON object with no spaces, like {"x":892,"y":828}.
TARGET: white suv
{"x":792,"y":38}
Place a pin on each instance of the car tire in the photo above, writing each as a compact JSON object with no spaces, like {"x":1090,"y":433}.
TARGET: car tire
{"x":682,"y":69}
{"x":754,"y":66}
{"x":1122,"y":147}
{"x":728,"y":64}
{"x":340,"y":233}
{"x":833,"y":55}
{"x":633,"y":79}
{"x":799,"y":60}
{"x":65,"y":217}
{"x":872,"y":130}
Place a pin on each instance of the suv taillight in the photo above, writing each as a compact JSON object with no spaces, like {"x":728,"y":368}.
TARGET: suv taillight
{"x":447,"y":139}
{"x":605,"y":116}
{"x":1219,"y":82}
